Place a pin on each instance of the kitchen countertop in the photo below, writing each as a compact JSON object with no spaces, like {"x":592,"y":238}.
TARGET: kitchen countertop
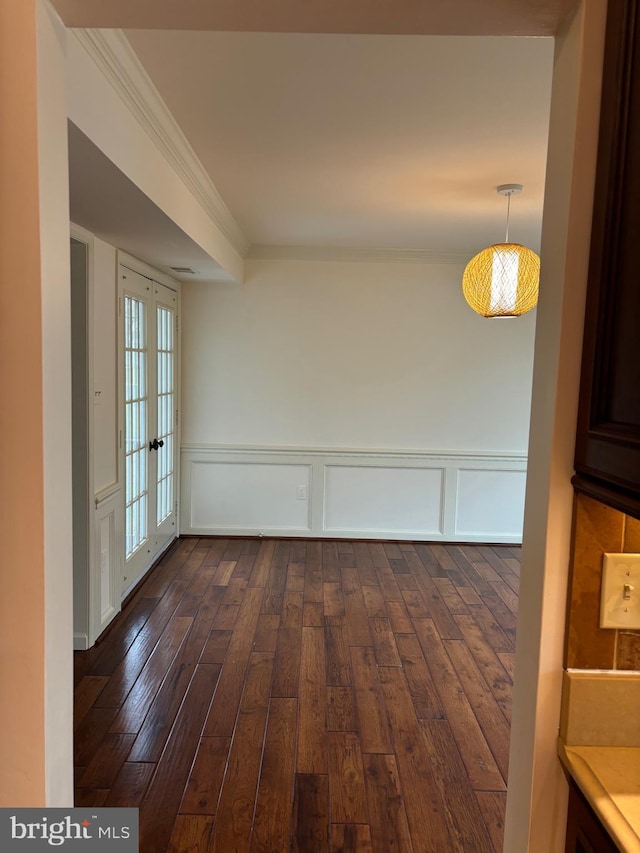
{"x":609,"y":778}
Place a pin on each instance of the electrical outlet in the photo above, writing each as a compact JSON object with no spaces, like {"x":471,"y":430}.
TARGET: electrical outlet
{"x":620,"y":596}
{"x":302,"y":493}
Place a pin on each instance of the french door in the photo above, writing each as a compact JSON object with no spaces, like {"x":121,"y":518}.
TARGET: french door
{"x":149,"y":407}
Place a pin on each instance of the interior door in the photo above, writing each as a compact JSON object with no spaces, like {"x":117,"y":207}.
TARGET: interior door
{"x":148,"y":447}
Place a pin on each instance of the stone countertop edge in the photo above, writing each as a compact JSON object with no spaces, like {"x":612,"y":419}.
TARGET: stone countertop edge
{"x":614,"y":820}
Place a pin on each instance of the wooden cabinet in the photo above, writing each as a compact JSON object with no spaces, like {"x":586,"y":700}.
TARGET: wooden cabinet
{"x":608,"y":436}
{"x":585,"y":833}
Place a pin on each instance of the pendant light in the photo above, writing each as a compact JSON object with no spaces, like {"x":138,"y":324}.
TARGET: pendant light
{"x":502,"y":280}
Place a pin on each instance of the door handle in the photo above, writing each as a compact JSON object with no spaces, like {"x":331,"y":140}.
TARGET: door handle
{"x":155,"y":444}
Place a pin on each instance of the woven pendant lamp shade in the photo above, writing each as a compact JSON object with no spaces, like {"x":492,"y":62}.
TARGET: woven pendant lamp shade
{"x":502,"y":280}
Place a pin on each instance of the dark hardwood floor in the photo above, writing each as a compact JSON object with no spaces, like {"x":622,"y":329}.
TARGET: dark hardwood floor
{"x":275,"y":695}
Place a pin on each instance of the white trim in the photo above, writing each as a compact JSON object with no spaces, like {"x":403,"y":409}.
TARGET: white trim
{"x":355,"y":254}
{"x":509,"y":456}
{"x":117,"y":60}
{"x":108,"y":614}
{"x":372,"y":520}
{"x":81,"y":234}
{"x":144,"y":269}
{"x":88,"y":564}
{"x":80,"y":642}
{"x":106,"y":493}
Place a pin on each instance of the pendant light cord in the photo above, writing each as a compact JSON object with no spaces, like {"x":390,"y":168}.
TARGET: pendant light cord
{"x":506,"y":239}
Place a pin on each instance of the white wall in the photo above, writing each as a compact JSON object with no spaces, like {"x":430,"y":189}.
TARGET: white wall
{"x":56,"y":374}
{"x":362,"y":355}
{"x":351,"y":366}
{"x":537,"y":793}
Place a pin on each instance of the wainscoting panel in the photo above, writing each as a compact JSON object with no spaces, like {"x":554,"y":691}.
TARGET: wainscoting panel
{"x":256,"y":495}
{"x":104,"y":568}
{"x":106,"y":585}
{"x":108,"y":582}
{"x":430,"y":496}
{"x":383,"y":501}
{"x":490,"y":500}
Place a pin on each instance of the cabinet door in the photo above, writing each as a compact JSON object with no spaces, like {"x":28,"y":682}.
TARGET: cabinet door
{"x":585,"y":833}
{"x":608,"y":438}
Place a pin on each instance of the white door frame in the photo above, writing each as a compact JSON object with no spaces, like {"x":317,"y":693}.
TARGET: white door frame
{"x":84,"y":617}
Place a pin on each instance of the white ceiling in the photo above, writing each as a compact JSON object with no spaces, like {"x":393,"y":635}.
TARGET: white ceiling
{"x":369,"y":141}
{"x":322,"y":127}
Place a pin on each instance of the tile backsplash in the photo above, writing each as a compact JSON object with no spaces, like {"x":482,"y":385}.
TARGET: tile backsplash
{"x":597,"y":529}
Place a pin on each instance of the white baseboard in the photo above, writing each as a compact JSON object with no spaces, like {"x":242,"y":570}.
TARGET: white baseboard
{"x":332,"y":493}
{"x":80,"y":642}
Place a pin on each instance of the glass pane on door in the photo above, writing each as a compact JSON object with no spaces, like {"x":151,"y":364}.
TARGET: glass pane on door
{"x":136,"y":406}
{"x":166,"y":408}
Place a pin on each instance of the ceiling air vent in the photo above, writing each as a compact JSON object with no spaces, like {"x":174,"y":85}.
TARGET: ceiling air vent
{"x":183,"y":270}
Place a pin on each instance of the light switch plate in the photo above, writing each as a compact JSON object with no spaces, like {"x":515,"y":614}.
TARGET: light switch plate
{"x":620,"y":596}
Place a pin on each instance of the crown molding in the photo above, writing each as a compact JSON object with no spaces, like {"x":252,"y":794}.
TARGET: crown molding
{"x":114,"y":56}
{"x":355,"y":255}
{"x":119,"y":63}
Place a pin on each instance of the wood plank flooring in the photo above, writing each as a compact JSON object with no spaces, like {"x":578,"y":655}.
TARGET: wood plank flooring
{"x":275,"y":695}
